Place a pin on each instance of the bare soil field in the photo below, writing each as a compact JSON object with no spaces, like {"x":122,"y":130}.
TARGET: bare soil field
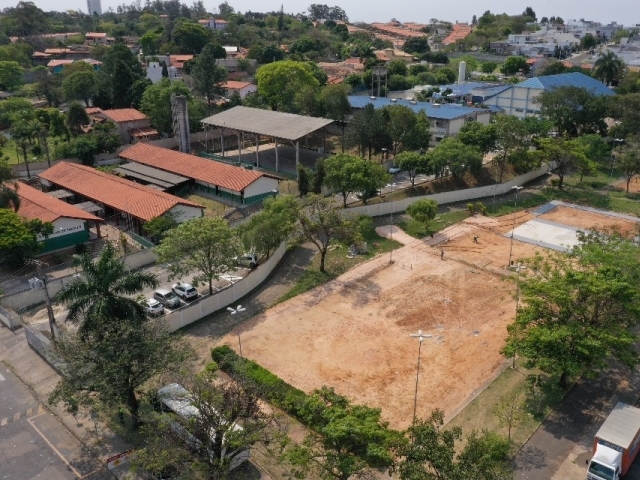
{"x":581,"y":219}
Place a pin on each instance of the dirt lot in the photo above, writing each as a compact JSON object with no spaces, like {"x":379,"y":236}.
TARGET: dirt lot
{"x":582,"y":219}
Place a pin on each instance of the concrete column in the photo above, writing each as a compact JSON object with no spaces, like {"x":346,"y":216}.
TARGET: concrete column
{"x":98,"y":229}
{"x":297,"y":155}
{"x":276,"y":142}
{"x":240,"y":138}
{"x":257,"y":150}
{"x":222,"y":141}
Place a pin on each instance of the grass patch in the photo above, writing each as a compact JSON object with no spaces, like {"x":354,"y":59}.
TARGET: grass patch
{"x":442,"y":220}
{"x":337,"y":263}
{"x":14,"y":152}
{"x":213,"y":208}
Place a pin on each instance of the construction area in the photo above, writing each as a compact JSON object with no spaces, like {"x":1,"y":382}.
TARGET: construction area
{"x":353,"y":333}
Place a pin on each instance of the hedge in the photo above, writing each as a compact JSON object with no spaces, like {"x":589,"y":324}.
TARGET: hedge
{"x":273,"y":389}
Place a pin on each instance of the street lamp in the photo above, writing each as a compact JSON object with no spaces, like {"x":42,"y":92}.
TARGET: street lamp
{"x":515,"y":207}
{"x":233,"y":311}
{"x":420,"y":336}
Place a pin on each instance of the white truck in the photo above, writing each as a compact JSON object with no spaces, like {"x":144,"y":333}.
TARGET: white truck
{"x":616,"y":444}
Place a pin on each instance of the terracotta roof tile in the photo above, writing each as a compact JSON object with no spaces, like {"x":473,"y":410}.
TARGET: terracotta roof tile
{"x":95,"y":35}
{"x":208,"y":171}
{"x":137,"y":200}
{"x":56,"y":63}
{"x":120,"y":115}
{"x":92,"y":110}
{"x":235,"y":84}
{"x":36,"y":204}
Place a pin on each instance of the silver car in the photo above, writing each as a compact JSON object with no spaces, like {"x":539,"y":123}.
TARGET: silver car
{"x":153,"y":307}
{"x":184,"y":290}
{"x":167,"y":298}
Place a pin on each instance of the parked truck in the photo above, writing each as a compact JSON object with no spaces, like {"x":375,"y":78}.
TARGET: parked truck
{"x":616,"y":444}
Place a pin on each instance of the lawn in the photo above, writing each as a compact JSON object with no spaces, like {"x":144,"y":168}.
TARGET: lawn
{"x":337,"y":262}
{"x":15,"y":156}
{"x":213,"y":208}
{"x":442,"y":220}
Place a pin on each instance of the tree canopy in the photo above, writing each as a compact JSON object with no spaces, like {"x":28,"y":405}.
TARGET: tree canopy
{"x":278,"y":82}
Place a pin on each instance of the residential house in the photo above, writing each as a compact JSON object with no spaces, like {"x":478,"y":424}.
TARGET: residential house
{"x":154,"y":72}
{"x":56,"y":66}
{"x":520,"y":99}
{"x":95,"y":37}
{"x":131,"y":124}
{"x":241,"y":88}
{"x":213,"y":23}
{"x":390,"y":54}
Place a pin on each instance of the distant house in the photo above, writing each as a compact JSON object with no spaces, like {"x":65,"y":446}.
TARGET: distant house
{"x":70,"y":223}
{"x":96,"y":37}
{"x":241,"y":88}
{"x":213,"y":23}
{"x":390,"y":54}
{"x":520,"y":99}
{"x":154,"y":72}
{"x":56,"y":66}
{"x":131,"y":124}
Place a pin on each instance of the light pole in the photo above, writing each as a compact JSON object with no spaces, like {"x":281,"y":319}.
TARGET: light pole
{"x":233,"y":311}
{"x":515,"y":207}
{"x":420,"y":336}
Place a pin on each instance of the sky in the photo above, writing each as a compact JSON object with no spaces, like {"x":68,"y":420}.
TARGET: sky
{"x":621,"y":11}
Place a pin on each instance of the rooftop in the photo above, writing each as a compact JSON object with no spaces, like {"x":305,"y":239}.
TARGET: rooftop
{"x":35,"y":204}
{"x":233,"y":84}
{"x":151,"y":175}
{"x":281,"y":125}
{"x":445,"y":111}
{"x":574,"y":79}
{"x":620,"y":427}
{"x":118,"y":193}
{"x":56,"y":63}
{"x":120,"y":115}
{"x":208,"y":171}
{"x":95,"y":35}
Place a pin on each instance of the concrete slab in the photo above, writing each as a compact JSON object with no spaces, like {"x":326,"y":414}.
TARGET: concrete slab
{"x":546,"y":234}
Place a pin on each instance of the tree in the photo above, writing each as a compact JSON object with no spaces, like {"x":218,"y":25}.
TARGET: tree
{"x":608,"y":67}
{"x":157,"y":227}
{"x":564,"y":154}
{"x":626,"y":110}
{"x":230,"y":420}
{"x":397,"y":67}
{"x":117,"y":77}
{"x":318,"y":177}
{"x":304,"y":181}
{"x":268,"y":229}
{"x":368,"y":131}
{"x":456,"y":156}
{"x":156,"y":103}
{"x":9,"y":197}
{"x":190,"y":37}
{"x":80,"y":86}
{"x":320,"y":222}
{"x":109,"y":366}
{"x":102,"y":293}
{"x":225,"y":9}
{"x":416,"y":45}
{"x":629,"y":162}
{"x":588,"y":42}
{"x":510,"y":411}
{"x":478,"y":135}
{"x":278,"y":82}
{"x":528,"y":12}
{"x":488,"y":67}
{"x":207,"y":76}
{"x":150,"y":43}
{"x":511,"y":136}
{"x":413,"y":163}
{"x":17,"y":242}
{"x":513,"y":65}
{"x":266,"y":54}
{"x":423,"y":211}
{"x":76,"y":118}
{"x":578,"y":310}
{"x":26,"y":20}
{"x":401,"y":125}
{"x":342,"y":174}
{"x":336,"y":104}
{"x":428,"y":452}
{"x":344,"y":440}
{"x":10,"y":75}
{"x":25,"y":127}
{"x":574,"y":110}
{"x":596,"y":151}
{"x":205,"y":245}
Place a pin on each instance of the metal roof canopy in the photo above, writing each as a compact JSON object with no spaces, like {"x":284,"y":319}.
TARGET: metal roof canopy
{"x":151,"y":174}
{"x":89,"y":207}
{"x":287,"y":126}
{"x":61,"y":193}
{"x":621,"y":426}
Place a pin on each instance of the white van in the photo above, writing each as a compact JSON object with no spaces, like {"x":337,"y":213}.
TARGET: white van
{"x":175,"y":398}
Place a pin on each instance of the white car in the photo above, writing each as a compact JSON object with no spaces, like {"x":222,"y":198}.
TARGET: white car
{"x":393,"y":170}
{"x":153,"y":307}
{"x":184,"y":290}
{"x":247,"y":260}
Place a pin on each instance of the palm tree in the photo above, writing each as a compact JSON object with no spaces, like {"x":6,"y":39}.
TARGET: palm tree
{"x":99,"y":294}
{"x":9,"y":197}
{"x":608,"y":67}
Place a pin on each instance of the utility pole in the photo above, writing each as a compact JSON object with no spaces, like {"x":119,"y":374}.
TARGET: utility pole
{"x":420,"y":336}
{"x":52,"y":318}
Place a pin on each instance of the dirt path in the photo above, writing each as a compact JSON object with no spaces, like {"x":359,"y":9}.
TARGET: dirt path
{"x":396,"y":233}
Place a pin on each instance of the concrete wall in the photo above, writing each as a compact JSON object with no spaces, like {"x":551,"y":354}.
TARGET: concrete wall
{"x":182,"y":213}
{"x":260,"y":186}
{"x":229,"y":296}
{"x":517,"y":101}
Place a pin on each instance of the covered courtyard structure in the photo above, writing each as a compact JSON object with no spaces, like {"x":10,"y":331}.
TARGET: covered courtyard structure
{"x":287,"y":128}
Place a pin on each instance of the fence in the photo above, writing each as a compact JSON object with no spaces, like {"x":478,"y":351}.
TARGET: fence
{"x":387,"y":208}
{"x":10,"y":318}
{"x":229,"y":296}
{"x":40,"y":344}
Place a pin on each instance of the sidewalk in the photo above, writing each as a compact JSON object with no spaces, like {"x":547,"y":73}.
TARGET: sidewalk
{"x":41,"y":379}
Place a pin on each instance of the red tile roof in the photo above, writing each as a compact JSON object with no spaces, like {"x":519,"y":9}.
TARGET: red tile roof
{"x":55,"y":63}
{"x":144,"y":132}
{"x":460,"y":31}
{"x":40,"y":55}
{"x":95,"y":35}
{"x":57,"y":50}
{"x":124,"y":195}
{"x":36,"y":204}
{"x":120,"y":115}
{"x":235,"y":85}
{"x":92,"y":110}
{"x":208,"y":171}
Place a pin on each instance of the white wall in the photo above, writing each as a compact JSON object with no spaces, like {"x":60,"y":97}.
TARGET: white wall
{"x":517,"y":101}
{"x":260,"y":186}
{"x":65,"y":226}
{"x":182,"y":213}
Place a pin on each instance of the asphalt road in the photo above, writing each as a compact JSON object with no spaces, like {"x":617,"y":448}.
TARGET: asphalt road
{"x":33,"y":443}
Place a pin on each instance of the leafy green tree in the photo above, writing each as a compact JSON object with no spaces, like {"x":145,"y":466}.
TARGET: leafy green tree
{"x":274,"y":224}
{"x":304,"y":180}
{"x":109,"y":367}
{"x":207,"y":76}
{"x":80,"y":86}
{"x":456,"y":156}
{"x":191,"y":38}
{"x":423,"y":211}
{"x":608,"y":67}
{"x":48,"y":85}
{"x":17,"y":242}
{"x":343,"y":174}
{"x":148,"y":22}
{"x":529,"y":13}
{"x":157,"y":227}
{"x":510,"y":411}
{"x":513,"y":65}
{"x":629,"y":162}
{"x":397,"y":67}
{"x":368,"y":131}
{"x":26,"y":20}
{"x":206,"y":246}
{"x":115,"y":82}
{"x":266,"y":54}
{"x":345,"y":440}
{"x":278,"y":82}
{"x":102,"y":293}
{"x":574,"y":110}
{"x":413,"y":163}
{"x":416,"y":45}
{"x":511,"y":136}
{"x":488,"y":67}
{"x":478,"y":135}
{"x":76,"y":118}
{"x":223,"y":405}
{"x":10,"y":75}
{"x":9,"y":197}
{"x":588,"y":42}
{"x":319,"y":221}
{"x":336,"y":105}
{"x":318,"y":177}
{"x":596,"y":151}
{"x":578,"y":311}
{"x":373,"y":178}
{"x":626,"y":110}
{"x":401,"y":125}
{"x":150,"y":43}
{"x":25,"y":127}
{"x":156,"y":103}
{"x":486,"y":456}
{"x":565,"y":155}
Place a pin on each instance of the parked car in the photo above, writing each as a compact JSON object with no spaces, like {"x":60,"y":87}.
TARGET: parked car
{"x":393,"y":170}
{"x":153,"y":307}
{"x":247,"y":260}
{"x":184,"y":291}
{"x":167,"y":298}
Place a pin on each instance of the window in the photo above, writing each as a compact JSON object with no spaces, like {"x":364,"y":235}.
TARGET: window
{"x":519,"y":110}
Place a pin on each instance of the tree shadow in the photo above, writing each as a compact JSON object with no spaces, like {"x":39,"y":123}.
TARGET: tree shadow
{"x":530,"y":458}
